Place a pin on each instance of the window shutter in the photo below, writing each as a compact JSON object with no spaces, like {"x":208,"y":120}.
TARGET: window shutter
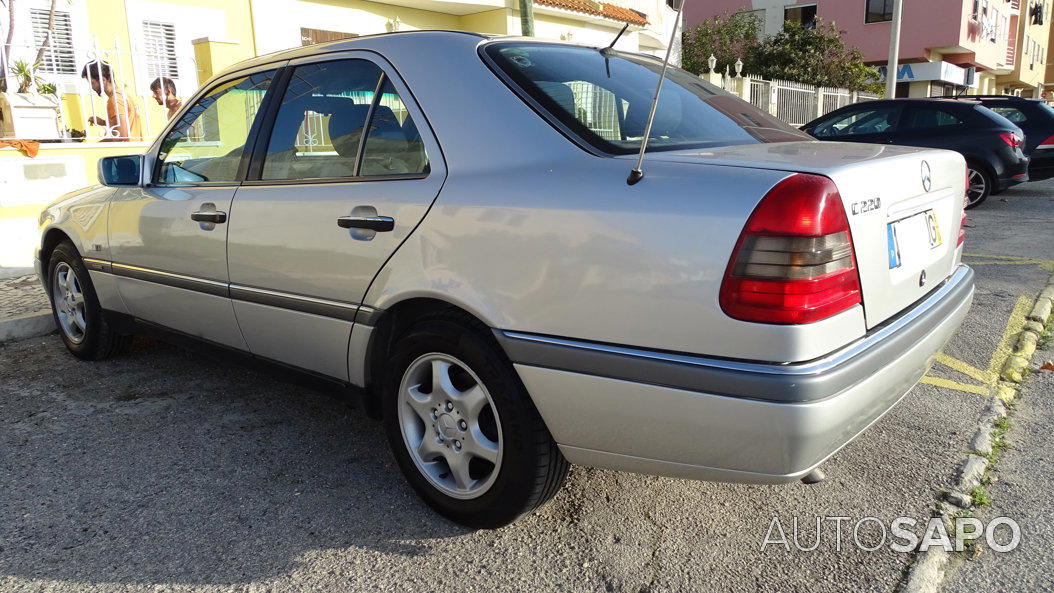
{"x":59,"y":57}
{"x":159,"y":44}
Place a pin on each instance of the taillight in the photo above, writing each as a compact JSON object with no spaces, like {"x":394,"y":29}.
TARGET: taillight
{"x":794,"y":261}
{"x":1048,"y":143}
{"x":1012,"y":139}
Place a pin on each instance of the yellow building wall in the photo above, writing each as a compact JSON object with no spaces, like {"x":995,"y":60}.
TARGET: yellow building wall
{"x":493,"y":22}
{"x":86,"y":153}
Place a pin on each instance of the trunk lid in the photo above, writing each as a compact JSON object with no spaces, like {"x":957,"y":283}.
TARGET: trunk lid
{"x":904,"y":228}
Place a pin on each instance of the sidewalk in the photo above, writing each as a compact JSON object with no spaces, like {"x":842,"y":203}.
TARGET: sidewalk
{"x":22,"y":295}
{"x":1023,"y":493}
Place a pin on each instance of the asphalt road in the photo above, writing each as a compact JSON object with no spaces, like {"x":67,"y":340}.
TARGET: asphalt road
{"x":166,"y":470}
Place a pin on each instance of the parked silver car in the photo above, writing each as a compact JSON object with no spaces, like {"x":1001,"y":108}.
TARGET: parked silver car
{"x":444,"y":220}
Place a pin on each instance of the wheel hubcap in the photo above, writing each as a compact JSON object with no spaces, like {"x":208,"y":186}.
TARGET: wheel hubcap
{"x":977,"y":186}
{"x":68,"y":298}
{"x":450,"y":426}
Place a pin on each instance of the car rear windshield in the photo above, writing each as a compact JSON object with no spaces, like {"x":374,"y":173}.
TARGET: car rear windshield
{"x":604,"y":98}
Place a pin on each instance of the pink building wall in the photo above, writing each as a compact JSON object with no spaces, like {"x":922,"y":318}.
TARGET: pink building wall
{"x":927,"y":25}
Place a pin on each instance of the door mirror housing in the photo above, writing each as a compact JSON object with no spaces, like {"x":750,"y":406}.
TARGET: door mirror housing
{"x":121,"y":171}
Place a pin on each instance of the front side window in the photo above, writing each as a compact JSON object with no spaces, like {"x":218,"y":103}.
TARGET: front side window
{"x":878,"y":11}
{"x":207,"y":143}
{"x":604,"y":99}
{"x":319,"y":130}
{"x":866,"y":121}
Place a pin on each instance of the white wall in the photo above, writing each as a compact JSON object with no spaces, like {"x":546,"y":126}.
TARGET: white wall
{"x":189,"y":23}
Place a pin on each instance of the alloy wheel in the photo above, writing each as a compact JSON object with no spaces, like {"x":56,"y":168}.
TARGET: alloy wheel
{"x":450,"y":425}
{"x":68,"y":297}
{"x":977,"y":188}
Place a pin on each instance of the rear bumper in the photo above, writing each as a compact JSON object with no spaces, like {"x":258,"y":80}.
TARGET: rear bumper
{"x":1042,"y":165}
{"x":1014,"y":166}
{"x":712,"y":419}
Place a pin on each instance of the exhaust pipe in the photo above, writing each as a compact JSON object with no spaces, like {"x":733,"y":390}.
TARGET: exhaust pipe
{"x":814,"y":477}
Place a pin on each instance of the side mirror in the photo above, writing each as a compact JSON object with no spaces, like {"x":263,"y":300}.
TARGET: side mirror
{"x":121,"y":171}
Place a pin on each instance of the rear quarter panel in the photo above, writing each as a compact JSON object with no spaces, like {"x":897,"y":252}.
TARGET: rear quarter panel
{"x":569,"y":249}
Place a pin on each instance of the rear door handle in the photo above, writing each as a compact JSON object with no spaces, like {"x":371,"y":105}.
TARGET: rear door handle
{"x":381,"y":224}
{"x":209,"y":216}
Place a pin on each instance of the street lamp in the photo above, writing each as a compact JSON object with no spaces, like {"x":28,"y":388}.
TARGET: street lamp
{"x":739,"y":68}
{"x":712,"y":61}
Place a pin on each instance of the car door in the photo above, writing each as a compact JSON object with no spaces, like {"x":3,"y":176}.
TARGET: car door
{"x":873,"y":124}
{"x":348,"y":170}
{"x":169,"y":238}
{"x":930,"y":126}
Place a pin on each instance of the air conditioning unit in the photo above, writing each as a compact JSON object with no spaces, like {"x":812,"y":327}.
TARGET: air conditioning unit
{"x":29,"y":116}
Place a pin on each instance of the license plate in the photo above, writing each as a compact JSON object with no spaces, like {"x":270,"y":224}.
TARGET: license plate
{"x":934,"y":228}
{"x":913,"y":233}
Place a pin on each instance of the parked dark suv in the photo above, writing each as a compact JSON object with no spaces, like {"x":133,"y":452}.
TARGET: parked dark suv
{"x":993,"y":146}
{"x":1036,"y":119}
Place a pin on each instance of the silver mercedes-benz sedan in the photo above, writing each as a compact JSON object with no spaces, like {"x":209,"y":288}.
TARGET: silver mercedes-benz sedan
{"x":444,"y":220}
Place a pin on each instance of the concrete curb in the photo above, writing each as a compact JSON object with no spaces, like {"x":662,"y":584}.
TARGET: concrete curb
{"x":1015,"y":369}
{"x":29,"y":325}
{"x":927,"y":572}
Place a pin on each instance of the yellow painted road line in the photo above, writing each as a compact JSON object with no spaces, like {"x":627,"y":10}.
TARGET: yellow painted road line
{"x":1014,"y":325}
{"x":949,"y":384}
{"x":989,"y":376}
{"x":986,"y":377}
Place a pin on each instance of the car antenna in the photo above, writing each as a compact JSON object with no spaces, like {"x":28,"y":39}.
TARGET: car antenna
{"x":604,"y":52}
{"x":637,"y":173}
{"x":615,"y":40}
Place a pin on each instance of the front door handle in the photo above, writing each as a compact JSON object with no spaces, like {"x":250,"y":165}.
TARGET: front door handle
{"x":381,"y":224}
{"x":212,"y":216}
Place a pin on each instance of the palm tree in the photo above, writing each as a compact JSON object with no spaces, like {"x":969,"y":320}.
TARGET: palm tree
{"x":7,"y":44}
{"x":47,"y":35}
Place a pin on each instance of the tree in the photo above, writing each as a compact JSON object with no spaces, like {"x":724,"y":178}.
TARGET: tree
{"x":7,"y":44}
{"x":815,"y":55}
{"x":47,"y":36}
{"x":812,"y":55}
{"x":728,"y":37}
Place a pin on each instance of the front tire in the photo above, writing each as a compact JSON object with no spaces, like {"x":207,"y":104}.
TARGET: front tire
{"x":463,"y":428}
{"x":76,"y":309}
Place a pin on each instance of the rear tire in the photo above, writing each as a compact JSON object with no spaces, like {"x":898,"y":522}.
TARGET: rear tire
{"x":76,"y":309}
{"x":981,"y":185}
{"x":471,"y":444}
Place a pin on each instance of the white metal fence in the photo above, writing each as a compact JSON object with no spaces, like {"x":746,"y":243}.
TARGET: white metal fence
{"x":88,"y":112}
{"x":792,"y":102}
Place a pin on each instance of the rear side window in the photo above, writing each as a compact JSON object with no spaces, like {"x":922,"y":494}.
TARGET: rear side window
{"x":918,"y":118}
{"x":319,"y":129}
{"x":864,"y":121}
{"x":604,"y":99}
{"x":1011,"y":113}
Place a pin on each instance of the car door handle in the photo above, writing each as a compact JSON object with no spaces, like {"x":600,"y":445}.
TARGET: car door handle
{"x":209,"y":216}
{"x":381,"y":224}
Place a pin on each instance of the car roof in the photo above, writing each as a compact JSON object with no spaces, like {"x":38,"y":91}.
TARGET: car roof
{"x":351,"y":43}
{"x":364,"y":42}
{"x":922,"y":101}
